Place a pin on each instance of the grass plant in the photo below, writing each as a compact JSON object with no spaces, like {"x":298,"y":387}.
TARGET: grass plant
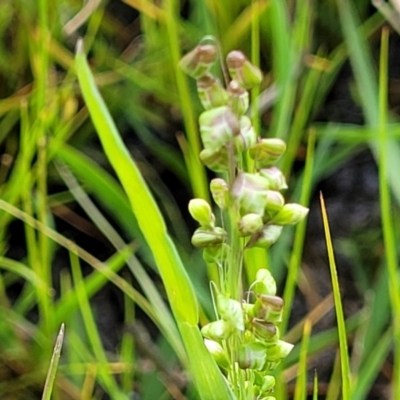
{"x":73,"y":76}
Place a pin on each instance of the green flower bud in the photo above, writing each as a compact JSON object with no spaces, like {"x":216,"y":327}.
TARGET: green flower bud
{"x":200,"y":211}
{"x":218,"y":353}
{"x":216,"y":254}
{"x":275,"y":202}
{"x":280,"y":351}
{"x":247,"y":136}
{"x":242,"y":70}
{"x":267,"y":151}
{"x":199,"y":61}
{"x":217,"y":330}
{"x":266,"y":383}
{"x":275,"y":178}
{"x":218,"y":126}
{"x":250,"y":193}
{"x":216,"y":161}
{"x":290,"y":214}
{"x":265,"y":331}
{"x":238,"y":98}
{"x":266,"y":237}
{"x":252,"y":356}
{"x":220,"y":192}
{"x":265,"y":283}
{"x":208,"y":237}
{"x":230,"y":311}
{"x":211,"y":93}
{"x":269,"y":308}
{"x":249,"y":224}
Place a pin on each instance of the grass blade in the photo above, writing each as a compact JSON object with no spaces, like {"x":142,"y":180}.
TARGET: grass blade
{"x":344,"y":355}
{"x":387,"y":217}
{"x":301,"y":382}
{"x":51,"y":374}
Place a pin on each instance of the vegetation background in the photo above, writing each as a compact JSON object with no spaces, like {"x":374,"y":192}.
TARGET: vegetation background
{"x":71,"y":250}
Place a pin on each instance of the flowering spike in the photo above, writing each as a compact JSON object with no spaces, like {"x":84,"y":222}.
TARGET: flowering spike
{"x":242,"y":70}
{"x":199,"y":61}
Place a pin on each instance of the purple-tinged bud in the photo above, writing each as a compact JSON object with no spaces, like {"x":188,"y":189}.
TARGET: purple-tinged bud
{"x":275,"y":202}
{"x":211,"y":93}
{"x":215,"y":160}
{"x":250,"y":193}
{"x":275,"y":178}
{"x":217,"y":330}
{"x":266,"y":237}
{"x":249,"y":224}
{"x":267,"y":151}
{"x":252,"y":356}
{"x":220,"y":192}
{"x":280,"y":351}
{"x":238,"y":99}
{"x":208,"y":237}
{"x":218,"y":126}
{"x":216,"y":254}
{"x":242,"y":70}
{"x":269,"y":308}
{"x":230,"y":311}
{"x":290,"y":214}
{"x":200,"y":211}
{"x":247,"y":136}
{"x":265,"y":283}
{"x":199,"y":61}
{"x":267,"y":332}
{"x":218,"y":353}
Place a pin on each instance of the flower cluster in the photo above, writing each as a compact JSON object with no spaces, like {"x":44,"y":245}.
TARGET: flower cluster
{"x":245,"y":337}
{"x":259,"y":350}
{"x":228,"y":137}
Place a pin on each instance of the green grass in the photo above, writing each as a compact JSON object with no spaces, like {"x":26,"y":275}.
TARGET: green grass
{"x":123,"y":87}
